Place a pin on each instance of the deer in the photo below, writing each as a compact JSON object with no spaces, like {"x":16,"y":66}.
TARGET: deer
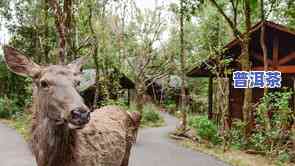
{"x":64,"y":132}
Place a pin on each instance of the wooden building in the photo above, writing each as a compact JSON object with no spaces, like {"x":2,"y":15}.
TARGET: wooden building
{"x":87,"y":86}
{"x":280,"y":43}
{"x":154,"y":92}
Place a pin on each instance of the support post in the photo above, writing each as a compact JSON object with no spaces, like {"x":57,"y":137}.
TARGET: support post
{"x":293,"y":104}
{"x":210,"y":98}
{"x":275,"y":52}
{"x":128,"y":94}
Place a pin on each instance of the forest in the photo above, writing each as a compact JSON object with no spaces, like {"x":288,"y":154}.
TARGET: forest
{"x":166,"y":56}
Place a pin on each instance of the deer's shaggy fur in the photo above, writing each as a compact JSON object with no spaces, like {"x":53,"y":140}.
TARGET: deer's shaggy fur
{"x":105,"y":141}
{"x":63,"y":131}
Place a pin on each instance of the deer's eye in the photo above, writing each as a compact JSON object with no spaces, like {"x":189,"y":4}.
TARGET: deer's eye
{"x":44,"y":84}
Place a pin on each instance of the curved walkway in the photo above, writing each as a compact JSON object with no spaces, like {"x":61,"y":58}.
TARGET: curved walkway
{"x":14,"y":151}
{"x":154,"y":148}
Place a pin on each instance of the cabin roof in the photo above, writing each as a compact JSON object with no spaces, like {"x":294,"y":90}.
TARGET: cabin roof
{"x":286,"y":50}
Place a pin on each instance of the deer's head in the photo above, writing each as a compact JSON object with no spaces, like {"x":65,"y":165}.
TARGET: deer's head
{"x":56,"y":88}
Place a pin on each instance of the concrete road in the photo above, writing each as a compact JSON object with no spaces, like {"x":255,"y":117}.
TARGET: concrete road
{"x":155,"y":148}
{"x":13,"y":149}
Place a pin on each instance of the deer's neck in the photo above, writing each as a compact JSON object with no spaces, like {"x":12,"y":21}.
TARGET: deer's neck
{"x":53,"y":145}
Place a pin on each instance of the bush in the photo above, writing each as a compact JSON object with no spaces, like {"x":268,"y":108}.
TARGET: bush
{"x":21,"y":122}
{"x":132,"y":107}
{"x":273,"y":120}
{"x":150,"y":114}
{"x":170,"y":105}
{"x":8,"y":107}
{"x":236,"y":134}
{"x":205,"y":129}
{"x":119,"y":102}
{"x":199,"y":104}
{"x":284,"y":157}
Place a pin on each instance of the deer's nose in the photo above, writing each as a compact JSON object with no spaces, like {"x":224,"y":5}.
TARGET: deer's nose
{"x":82,"y":114}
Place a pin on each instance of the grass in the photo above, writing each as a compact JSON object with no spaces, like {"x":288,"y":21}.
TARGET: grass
{"x":21,"y":123}
{"x":232,"y":156}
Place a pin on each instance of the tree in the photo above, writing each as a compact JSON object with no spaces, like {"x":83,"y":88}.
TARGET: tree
{"x":184,"y":11}
{"x":245,"y":53}
{"x":183,"y":71}
{"x":63,"y":22}
{"x":148,"y":61}
{"x":106,"y":58}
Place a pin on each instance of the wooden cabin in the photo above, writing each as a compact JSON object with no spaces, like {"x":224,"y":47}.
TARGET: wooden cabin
{"x":87,"y":86}
{"x":154,"y":92}
{"x":280,"y":43}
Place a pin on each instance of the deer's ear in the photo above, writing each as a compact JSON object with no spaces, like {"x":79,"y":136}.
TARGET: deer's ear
{"x":20,"y":64}
{"x":77,"y":64}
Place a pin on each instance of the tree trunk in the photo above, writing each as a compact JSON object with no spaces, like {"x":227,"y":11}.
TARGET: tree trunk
{"x":262,"y":40}
{"x":210,"y":98}
{"x":95,"y":58}
{"x":223,"y":88}
{"x":103,"y":51}
{"x":68,"y":5}
{"x":61,"y":29}
{"x":63,"y":24}
{"x":264,"y":52}
{"x":246,"y":66}
{"x":46,"y":33}
{"x":140,"y":90}
{"x":223,"y":111}
{"x":97,"y":78}
{"x":182,"y":61}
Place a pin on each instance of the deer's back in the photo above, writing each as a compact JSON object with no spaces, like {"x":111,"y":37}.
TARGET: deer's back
{"x":105,"y":140}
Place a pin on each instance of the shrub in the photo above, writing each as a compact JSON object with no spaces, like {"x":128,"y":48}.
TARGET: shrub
{"x":205,"y":128}
{"x":119,"y":102}
{"x":199,"y":104}
{"x":284,"y":157}
{"x":236,"y":137}
{"x":132,"y":107}
{"x":170,"y":105}
{"x":273,"y":120}
{"x":21,"y":122}
{"x":150,"y":114}
{"x":8,"y":107}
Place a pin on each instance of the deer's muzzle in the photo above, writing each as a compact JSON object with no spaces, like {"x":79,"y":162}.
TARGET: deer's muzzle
{"x":79,"y":117}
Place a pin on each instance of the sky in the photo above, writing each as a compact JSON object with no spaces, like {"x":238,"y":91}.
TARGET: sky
{"x":151,"y":3}
{"x":4,"y":35}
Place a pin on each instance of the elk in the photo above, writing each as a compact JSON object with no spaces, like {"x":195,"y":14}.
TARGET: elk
{"x":64,"y":132}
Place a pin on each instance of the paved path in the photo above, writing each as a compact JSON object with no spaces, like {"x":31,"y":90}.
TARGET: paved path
{"x":13,"y":149}
{"x":154,"y":148}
